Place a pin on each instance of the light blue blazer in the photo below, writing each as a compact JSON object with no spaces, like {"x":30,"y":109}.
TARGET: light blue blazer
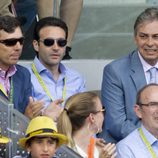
{"x":122,"y":79}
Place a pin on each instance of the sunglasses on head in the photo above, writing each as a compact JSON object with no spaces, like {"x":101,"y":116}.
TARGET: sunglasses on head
{"x":49,"y":42}
{"x":12,"y":41}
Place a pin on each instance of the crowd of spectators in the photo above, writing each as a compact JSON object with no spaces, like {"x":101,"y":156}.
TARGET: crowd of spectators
{"x":55,"y":99}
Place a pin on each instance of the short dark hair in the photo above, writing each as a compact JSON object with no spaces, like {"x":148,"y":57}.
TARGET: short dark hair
{"x":9,"y":23}
{"x":138,"y":97}
{"x":49,"y":21}
{"x":148,"y":15}
{"x":28,"y":142}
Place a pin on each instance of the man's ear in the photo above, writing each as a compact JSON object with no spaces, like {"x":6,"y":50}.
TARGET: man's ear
{"x":138,"y":111}
{"x":35,"y":45}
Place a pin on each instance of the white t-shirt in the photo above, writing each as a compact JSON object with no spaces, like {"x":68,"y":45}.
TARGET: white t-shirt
{"x":84,"y":155}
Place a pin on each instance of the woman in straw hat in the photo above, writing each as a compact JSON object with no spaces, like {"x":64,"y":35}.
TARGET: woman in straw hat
{"x":42,"y":139}
{"x":81,"y":119}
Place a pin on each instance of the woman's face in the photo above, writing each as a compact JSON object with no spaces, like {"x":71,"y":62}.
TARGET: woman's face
{"x":99,"y":115}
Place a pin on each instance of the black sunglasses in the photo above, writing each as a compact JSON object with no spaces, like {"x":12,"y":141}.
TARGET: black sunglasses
{"x":12,"y":41}
{"x":49,"y":42}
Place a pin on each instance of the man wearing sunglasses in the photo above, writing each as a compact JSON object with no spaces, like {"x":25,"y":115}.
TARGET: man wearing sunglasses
{"x":15,"y":82}
{"x":52,"y":81}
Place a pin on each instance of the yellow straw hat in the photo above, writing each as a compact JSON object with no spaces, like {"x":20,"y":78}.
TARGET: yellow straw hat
{"x":3,"y":140}
{"x":42,"y":126}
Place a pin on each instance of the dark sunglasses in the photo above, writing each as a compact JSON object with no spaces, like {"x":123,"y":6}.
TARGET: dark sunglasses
{"x":12,"y":41}
{"x":49,"y":42}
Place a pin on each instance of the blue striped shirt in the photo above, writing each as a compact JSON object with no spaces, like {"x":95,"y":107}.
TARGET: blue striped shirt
{"x":133,"y":146}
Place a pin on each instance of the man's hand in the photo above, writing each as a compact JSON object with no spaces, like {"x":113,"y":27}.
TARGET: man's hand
{"x":54,"y":109}
{"x":34,"y":108}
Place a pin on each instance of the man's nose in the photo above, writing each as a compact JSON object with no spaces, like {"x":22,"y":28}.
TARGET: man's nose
{"x":55,"y":45}
{"x":150,"y":41}
{"x":18,"y":45}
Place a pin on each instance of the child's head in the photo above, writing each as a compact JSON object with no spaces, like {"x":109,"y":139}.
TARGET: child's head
{"x":42,"y":146}
{"x":41,"y":138}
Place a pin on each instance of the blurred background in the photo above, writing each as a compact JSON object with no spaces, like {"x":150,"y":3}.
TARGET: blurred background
{"x":105,"y":29}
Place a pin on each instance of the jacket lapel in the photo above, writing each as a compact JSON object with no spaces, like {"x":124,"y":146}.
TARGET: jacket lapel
{"x":16,"y":90}
{"x":137,"y":72}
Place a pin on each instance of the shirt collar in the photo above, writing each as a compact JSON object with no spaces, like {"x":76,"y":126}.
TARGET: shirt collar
{"x":151,"y":139}
{"x":83,"y":154}
{"x":80,"y":151}
{"x":10,"y":72}
{"x":40,"y":67}
{"x":146,"y":66}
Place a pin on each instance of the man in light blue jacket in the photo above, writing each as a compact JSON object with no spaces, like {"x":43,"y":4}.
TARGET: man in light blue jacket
{"x":124,"y":77}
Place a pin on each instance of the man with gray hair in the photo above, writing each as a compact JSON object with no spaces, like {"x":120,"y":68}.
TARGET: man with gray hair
{"x":123,"y":78}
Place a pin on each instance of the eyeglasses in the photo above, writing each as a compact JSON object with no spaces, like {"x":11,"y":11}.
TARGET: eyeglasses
{"x":153,"y":105}
{"x":12,"y":41}
{"x":102,"y":110}
{"x":50,"y":42}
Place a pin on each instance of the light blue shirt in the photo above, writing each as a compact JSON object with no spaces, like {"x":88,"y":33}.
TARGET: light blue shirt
{"x":133,"y":146}
{"x":74,"y":82}
{"x":147,"y":67}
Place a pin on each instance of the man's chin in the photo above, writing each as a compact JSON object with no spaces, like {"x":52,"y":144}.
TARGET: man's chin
{"x":13,"y":62}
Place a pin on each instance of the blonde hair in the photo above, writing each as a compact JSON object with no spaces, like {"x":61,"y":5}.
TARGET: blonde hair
{"x":77,"y":109}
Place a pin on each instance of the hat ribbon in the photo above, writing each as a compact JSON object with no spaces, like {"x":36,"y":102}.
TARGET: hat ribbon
{"x":44,"y":130}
